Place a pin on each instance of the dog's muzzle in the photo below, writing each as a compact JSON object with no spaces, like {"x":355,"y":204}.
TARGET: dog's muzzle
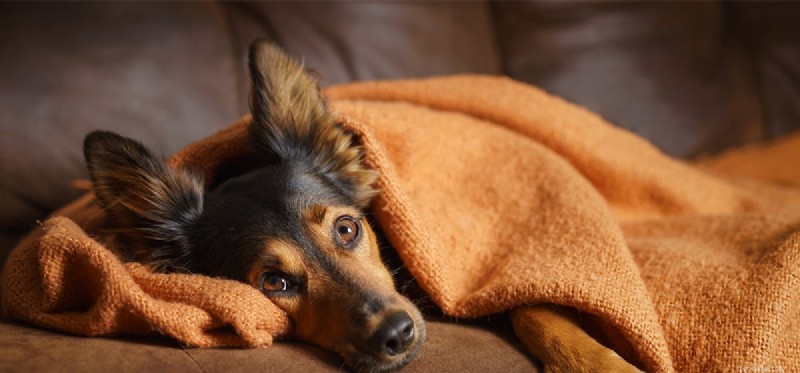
{"x":393,"y":337}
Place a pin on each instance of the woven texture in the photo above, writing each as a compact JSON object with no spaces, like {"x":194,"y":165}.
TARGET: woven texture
{"x":497,"y":195}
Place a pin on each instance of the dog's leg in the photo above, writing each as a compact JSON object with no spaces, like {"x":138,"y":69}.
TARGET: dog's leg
{"x":562,"y":345}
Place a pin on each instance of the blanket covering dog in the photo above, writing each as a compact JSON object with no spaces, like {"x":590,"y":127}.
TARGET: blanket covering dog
{"x":495,"y":195}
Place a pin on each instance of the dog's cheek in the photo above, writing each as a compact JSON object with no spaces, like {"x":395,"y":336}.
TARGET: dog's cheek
{"x":321,"y":326}
{"x":289,"y":304}
{"x":378,"y":267}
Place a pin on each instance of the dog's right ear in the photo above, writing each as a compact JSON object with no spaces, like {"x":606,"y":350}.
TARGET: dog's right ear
{"x":144,"y":196}
{"x":292,"y":123}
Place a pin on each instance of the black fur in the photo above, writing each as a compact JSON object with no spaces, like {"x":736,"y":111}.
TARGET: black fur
{"x":150,"y":205}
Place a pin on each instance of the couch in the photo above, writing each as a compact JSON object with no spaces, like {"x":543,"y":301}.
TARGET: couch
{"x":694,"y":78}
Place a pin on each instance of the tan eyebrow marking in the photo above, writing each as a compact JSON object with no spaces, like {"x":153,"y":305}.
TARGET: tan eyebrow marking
{"x":318,"y":212}
{"x":277,"y":254}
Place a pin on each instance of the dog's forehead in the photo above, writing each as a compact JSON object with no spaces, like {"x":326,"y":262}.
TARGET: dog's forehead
{"x":243,"y":213}
{"x":281,"y":188}
{"x":272,"y":201}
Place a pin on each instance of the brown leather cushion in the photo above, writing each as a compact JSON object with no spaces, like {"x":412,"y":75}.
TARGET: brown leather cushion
{"x":670,"y":72}
{"x":163,"y":73}
{"x":770,"y":33}
{"x":347,"y":41}
{"x":449,"y":348}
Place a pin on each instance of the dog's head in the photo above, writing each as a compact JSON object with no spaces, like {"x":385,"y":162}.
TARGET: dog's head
{"x":293,"y":227}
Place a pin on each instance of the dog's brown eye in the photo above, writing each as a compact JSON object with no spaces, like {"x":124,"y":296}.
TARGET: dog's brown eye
{"x":272,"y":282}
{"x":347,"y":231}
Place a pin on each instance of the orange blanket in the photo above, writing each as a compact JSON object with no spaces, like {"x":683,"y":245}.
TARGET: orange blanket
{"x":497,"y":195}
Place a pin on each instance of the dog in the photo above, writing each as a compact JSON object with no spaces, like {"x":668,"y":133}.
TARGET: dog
{"x":292,"y":223}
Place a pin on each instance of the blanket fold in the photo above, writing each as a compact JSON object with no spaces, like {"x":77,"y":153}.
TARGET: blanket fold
{"x":61,"y":278}
{"x":496,"y":195}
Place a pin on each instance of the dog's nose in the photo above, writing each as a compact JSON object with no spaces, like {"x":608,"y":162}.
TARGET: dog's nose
{"x":393,"y":336}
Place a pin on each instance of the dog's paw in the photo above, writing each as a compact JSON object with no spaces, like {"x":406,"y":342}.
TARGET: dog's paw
{"x":608,"y":361}
{"x":600,"y":361}
{"x":562,"y":345}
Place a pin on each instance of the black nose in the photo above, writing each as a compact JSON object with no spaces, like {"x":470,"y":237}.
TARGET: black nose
{"x":393,"y":336}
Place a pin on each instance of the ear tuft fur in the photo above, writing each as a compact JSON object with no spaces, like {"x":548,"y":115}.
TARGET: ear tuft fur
{"x":150,"y":204}
{"x":292,"y":123}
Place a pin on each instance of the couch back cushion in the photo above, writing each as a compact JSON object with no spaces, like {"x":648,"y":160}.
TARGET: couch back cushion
{"x":160,"y":72}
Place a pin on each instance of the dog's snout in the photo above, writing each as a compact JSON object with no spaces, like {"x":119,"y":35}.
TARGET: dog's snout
{"x":393,"y":336}
{"x":372,"y":306}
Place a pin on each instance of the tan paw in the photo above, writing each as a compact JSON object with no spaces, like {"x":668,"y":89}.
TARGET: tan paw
{"x":600,"y":361}
{"x":609,"y":361}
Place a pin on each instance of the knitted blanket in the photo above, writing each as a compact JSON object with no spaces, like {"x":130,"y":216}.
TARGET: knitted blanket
{"x":496,"y":195}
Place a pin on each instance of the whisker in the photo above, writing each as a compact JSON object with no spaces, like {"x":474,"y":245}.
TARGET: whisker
{"x":397,"y":270}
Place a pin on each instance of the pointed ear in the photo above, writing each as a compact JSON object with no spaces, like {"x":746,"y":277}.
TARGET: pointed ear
{"x":292,"y":123}
{"x":145,"y":198}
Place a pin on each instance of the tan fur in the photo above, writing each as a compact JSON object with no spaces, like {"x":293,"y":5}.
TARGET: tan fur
{"x":316,"y":213}
{"x":562,"y":345}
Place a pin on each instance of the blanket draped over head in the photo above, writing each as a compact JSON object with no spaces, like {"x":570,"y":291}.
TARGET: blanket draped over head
{"x":496,"y":195}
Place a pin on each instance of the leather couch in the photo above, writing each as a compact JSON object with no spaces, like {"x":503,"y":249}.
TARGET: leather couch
{"x":694,"y":78}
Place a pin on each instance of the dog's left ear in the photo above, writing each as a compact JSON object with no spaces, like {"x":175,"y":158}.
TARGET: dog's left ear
{"x":144,"y":197}
{"x":292,"y":123}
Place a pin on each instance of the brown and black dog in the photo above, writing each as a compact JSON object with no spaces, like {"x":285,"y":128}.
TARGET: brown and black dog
{"x":294,"y":227}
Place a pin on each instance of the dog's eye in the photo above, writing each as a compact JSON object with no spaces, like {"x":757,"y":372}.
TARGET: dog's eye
{"x":347,"y":231}
{"x":272,"y":282}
